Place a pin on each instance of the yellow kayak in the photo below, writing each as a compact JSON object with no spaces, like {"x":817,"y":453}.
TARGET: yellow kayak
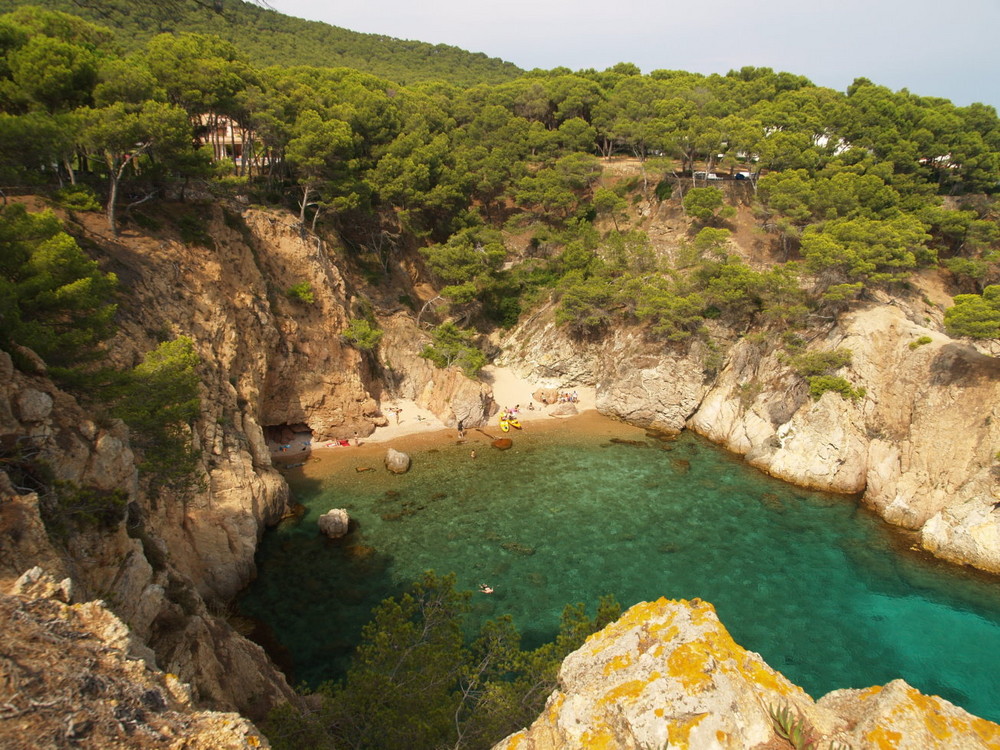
{"x":516,"y":424}
{"x":504,"y":425}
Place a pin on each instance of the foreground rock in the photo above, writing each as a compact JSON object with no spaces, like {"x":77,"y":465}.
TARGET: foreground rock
{"x":503,"y":444}
{"x":334,"y":523}
{"x":668,"y":674}
{"x":396,"y":461}
{"x":80,"y":679}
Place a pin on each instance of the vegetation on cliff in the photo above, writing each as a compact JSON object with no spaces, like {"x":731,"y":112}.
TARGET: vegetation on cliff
{"x":501,"y":183}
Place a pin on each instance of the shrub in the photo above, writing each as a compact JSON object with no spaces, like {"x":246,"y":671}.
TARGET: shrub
{"x":159,"y":399}
{"x":922,"y":341}
{"x":451,"y":345}
{"x":53,"y":298}
{"x":69,"y":507}
{"x":301,"y":292}
{"x":975,"y":316}
{"x":78,"y":198}
{"x":809,"y":364}
{"x":820,"y":384}
{"x":194,"y":231}
{"x":362,"y":335}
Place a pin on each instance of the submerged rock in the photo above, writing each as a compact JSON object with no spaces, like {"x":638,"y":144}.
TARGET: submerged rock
{"x":396,"y":461}
{"x":334,"y":523}
{"x":502,"y":444}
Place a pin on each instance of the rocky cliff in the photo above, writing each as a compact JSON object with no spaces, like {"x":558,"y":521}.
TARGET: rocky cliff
{"x":920,"y":446}
{"x":73,"y":675}
{"x":667,"y":674}
{"x":267,"y":359}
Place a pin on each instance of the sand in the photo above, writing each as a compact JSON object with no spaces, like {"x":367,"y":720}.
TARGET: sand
{"x":509,"y":391}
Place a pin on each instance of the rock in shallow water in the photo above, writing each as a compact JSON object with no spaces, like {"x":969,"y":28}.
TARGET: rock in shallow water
{"x":396,"y":461}
{"x":334,"y":523}
{"x":502,"y":444}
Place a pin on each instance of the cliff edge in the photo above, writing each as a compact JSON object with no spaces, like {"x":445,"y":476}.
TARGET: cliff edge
{"x":667,"y":674}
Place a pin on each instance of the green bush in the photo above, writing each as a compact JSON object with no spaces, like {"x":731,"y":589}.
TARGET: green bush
{"x":976,"y":316}
{"x":53,"y":298}
{"x":362,"y":335}
{"x":159,"y":399}
{"x":78,"y":198}
{"x":820,"y":384}
{"x":301,"y":292}
{"x":809,"y":364}
{"x":451,"y":345}
{"x":194,"y":231}
{"x":922,"y":341}
{"x":68,"y":508}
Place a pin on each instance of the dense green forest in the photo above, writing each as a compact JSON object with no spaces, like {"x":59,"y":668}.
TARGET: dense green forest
{"x":270,"y":38}
{"x":498,"y":182}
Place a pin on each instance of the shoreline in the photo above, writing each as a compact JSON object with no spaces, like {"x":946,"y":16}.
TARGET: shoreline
{"x":322,"y":462}
{"x":509,"y":391}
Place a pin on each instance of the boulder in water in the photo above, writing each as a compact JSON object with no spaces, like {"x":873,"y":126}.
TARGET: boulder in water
{"x":502,"y":444}
{"x":334,"y":523}
{"x":396,"y":461}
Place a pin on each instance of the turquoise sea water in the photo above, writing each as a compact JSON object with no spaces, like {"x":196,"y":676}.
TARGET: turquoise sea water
{"x":823,"y":590}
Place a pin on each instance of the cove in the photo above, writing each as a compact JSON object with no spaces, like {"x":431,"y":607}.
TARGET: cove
{"x":825,"y":591}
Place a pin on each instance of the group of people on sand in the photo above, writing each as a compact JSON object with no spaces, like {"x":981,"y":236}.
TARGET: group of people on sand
{"x":568,"y":398}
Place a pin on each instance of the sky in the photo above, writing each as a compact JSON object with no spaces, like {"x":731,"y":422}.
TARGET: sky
{"x":942,"y":48}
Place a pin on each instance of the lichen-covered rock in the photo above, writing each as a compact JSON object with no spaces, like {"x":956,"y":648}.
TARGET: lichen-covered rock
{"x":899,"y":716}
{"x":667,"y":674}
{"x":334,"y":523}
{"x":396,"y":461}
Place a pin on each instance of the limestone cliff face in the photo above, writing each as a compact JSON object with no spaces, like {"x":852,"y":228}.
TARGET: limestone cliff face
{"x":668,"y":675}
{"x":74,"y":676}
{"x":267,"y":359}
{"x":920,"y":445}
{"x":127,"y":563}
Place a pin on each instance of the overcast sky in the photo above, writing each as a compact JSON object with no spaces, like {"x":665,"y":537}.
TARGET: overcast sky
{"x":946,"y":48}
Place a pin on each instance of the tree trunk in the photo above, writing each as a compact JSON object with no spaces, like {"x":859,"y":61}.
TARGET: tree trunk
{"x":305,"y":201}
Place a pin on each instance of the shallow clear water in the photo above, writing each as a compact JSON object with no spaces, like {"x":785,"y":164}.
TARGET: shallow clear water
{"x":823,"y":590}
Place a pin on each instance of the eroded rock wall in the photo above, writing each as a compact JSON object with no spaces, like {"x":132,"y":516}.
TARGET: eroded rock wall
{"x":668,"y":674}
{"x":267,"y":359}
{"x":73,"y":675}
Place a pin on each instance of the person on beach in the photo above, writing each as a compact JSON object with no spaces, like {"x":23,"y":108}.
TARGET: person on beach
{"x":461,"y":430}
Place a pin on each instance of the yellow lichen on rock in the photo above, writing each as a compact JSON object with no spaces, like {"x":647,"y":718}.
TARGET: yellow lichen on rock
{"x":668,"y":674}
{"x":679,"y":732}
{"x":689,"y":665}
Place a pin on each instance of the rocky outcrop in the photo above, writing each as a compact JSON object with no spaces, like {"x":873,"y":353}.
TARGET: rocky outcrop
{"x":668,"y":674}
{"x":446,"y":392}
{"x":74,"y":676}
{"x":920,"y":446}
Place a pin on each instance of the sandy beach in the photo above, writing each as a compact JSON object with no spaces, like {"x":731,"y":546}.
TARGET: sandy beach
{"x":509,"y":391}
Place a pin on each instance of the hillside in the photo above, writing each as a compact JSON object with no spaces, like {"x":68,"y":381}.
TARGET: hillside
{"x":271,"y":38}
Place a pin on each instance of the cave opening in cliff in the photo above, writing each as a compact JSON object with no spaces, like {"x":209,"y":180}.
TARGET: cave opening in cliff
{"x":289,"y":439}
